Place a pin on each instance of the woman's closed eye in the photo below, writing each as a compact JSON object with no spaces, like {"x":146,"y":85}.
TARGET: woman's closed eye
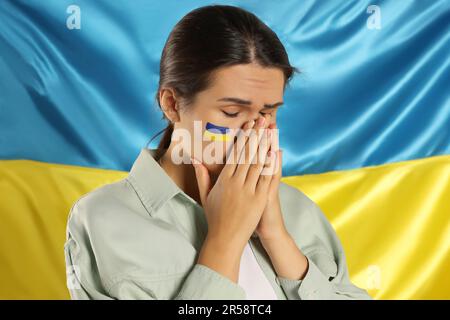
{"x":230,"y":114}
{"x":235,"y":114}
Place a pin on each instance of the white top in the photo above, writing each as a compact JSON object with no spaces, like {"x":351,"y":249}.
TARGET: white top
{"x":252,"y":278}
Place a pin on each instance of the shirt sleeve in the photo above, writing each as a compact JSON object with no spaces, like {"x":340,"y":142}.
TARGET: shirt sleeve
{"x":204,"y":283}
{"x":327,"y":276}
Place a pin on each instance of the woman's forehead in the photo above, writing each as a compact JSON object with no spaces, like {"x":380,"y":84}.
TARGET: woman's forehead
{"x":247,"y":83}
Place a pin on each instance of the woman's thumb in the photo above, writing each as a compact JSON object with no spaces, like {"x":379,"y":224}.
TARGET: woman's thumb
{"x":203,"y":179}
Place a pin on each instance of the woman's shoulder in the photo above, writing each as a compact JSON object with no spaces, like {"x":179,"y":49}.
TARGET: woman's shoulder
{"x":298,"y":205}
{"x":111,"y":202}
{"x":104,"y":195}
{"x":293,"y":197}
{"x":305,"y":220}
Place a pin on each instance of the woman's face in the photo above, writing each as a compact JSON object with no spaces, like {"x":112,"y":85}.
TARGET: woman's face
{"x":238,"y":94}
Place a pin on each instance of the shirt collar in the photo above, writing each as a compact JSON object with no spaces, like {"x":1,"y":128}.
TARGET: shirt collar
{"x":152,"y":184}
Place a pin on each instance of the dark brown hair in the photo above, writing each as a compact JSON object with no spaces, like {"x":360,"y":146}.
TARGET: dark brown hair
{"x":211,"y":37}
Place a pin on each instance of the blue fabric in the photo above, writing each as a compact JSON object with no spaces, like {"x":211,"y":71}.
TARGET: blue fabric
{"x":365,"y":97}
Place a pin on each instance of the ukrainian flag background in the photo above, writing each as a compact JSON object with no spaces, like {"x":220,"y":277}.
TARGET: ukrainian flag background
{"x":365,"y":127}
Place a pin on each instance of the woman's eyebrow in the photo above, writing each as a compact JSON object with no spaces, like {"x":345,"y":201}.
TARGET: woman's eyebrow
{"x":247,"y":102}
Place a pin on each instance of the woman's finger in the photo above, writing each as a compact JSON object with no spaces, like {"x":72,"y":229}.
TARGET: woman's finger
{"x":260,"y":159}
{"x":248,"y":151}
{"x":264,"y":180}
{"x":235,"y":150}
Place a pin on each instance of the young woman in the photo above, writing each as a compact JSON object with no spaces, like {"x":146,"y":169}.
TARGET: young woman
{"x":209,"y":229}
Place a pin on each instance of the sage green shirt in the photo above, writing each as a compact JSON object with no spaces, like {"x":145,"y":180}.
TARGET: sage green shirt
{"x":139,"y":238}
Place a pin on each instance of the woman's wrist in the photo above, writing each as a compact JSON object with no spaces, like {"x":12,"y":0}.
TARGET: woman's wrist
{"x":221,"y":256}
{"x":287,"y":259}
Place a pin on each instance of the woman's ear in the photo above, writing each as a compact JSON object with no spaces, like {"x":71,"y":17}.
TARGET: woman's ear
{"x":169,"y":104}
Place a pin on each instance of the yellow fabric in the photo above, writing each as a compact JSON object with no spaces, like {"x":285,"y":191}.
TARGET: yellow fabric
{"x":393,"y":221}
{"x":35,"y":200}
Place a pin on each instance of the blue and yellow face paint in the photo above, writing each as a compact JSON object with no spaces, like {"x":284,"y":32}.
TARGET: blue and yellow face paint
{"x":216,"y":133}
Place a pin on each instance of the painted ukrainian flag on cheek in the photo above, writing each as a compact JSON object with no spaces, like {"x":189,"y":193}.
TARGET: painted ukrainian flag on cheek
{"x":216,"y":133}
{"x":365,"y":130}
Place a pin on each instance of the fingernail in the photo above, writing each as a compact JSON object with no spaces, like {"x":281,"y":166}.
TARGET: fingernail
{"x":251,"y":123}
{"x":261,"y":121}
